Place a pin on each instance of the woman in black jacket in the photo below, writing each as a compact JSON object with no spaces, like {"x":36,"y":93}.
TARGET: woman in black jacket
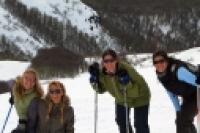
{"x":180,"y":79}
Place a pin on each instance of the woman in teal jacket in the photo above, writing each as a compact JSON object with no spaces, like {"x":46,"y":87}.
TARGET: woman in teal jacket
{"x":137,"y":93}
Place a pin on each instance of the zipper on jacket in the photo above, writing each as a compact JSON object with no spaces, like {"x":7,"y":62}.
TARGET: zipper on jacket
{"x":115,"y":87}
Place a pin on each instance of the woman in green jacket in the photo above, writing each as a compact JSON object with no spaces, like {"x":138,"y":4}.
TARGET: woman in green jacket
{"x":26,"y":88}
{"x":127,"y":87}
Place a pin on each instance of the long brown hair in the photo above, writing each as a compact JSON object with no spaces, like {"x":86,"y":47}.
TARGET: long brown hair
{"x":65,"y":100}
{"x":19,"y":88}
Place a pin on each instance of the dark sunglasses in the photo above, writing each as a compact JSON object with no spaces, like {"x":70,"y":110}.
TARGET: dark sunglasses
{"x":108,"y":60}
{"x":55,"y":91}
{"x":158,"y":61}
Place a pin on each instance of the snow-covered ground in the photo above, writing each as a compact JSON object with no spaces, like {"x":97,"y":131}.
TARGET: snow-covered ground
{"x":19,"y":34}
{"x":162,"y":113}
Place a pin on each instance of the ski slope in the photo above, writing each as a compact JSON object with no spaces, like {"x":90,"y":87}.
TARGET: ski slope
{"x":161,"y":116}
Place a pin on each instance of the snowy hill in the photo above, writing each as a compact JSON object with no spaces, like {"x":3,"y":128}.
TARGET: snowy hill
{"x":17,"y":35}
{"x":161,"y":111}
{"x":77,"y":13}
{"x":22,"y":38}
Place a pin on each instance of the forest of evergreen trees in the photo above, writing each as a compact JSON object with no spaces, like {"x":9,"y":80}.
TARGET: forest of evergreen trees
{"x":139,"y":24}
{"x":57,"y":62}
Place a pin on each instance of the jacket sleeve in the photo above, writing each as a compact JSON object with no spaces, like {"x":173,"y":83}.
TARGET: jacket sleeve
{"x":33,"y":116}
{"x":6,"y":86}
{"x":69,"y":127}
{"x":185,"y":75}
{"x":174,"y":100}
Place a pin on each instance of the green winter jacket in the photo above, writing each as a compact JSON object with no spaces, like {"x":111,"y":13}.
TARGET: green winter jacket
{"x":138,"y":93}
{"x":21,"y":104}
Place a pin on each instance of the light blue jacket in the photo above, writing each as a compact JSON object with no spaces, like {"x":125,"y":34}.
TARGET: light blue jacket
{"x":183,"y":74}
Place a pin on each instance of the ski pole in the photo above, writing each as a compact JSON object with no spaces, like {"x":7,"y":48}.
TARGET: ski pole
{"x":95,"y":110}
{"x":198,"y":106}
{"x":4,"y":125}
{"x":126,"y":108}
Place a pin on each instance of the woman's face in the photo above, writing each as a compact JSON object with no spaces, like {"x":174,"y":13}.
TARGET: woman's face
{"x":160,"y":64}
{"x":109,"y":63}
{"x":56,"y":94}
{"x":28,"y":80}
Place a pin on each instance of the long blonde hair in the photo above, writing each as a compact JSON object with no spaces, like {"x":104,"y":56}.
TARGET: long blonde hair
{"x":19,"y":88}
{"x":65,"y":100}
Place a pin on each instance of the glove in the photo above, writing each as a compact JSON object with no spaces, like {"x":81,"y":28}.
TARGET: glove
{"x":123,"y":76}
{"x":94,"y":79}
{"x":94,"y":72}
{"x":11,"y":100}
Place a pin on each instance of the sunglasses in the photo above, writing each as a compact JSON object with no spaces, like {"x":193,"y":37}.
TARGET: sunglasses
{"x":158,"y":61}
{"x":108,"y":60}
{"x":55,"y":91}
